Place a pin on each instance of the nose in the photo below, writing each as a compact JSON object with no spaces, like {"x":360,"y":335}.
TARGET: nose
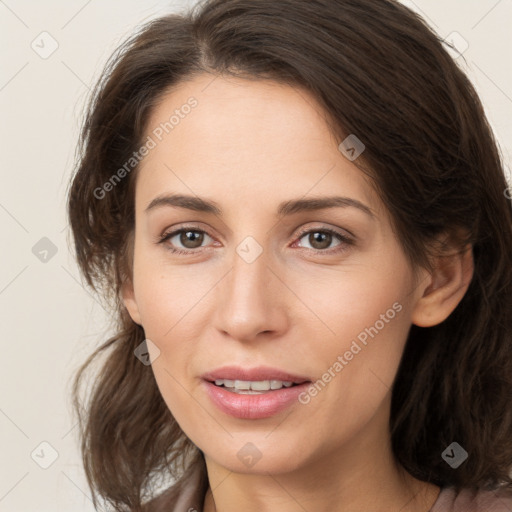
{"x":251,"y":301}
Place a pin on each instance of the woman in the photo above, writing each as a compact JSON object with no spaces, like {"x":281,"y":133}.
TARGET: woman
{"x":299,"y":212}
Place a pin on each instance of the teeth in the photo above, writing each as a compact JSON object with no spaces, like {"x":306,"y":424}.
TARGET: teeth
{"x":248,"y":386}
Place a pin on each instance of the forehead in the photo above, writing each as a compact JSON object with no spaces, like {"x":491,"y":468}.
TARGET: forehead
{"x":262,"y":139}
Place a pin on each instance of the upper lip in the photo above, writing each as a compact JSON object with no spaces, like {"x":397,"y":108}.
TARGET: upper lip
{"x":253,"y":374}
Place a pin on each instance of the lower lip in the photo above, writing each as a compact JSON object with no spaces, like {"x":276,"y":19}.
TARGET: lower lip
{"x":252,"y":407}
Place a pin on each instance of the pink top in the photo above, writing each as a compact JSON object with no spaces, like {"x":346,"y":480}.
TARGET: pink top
{"x":472,"y":501}
{"x":191,"y":499}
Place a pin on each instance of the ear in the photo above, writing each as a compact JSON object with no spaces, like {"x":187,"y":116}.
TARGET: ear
{"x":128,"y":296}
{"x":445,"y":288}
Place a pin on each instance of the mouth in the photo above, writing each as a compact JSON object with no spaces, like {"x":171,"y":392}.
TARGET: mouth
{"x":255,"y":393}
{"x":257,"y":387}
{"x":258,"y":380}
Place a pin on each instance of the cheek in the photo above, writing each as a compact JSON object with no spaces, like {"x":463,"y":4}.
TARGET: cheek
{"x":171,"y":305}
{"x":343,"y":307}
{"x":168,"y":298}
{"x":170,"y":320}
{"x":170,"y":317}
{"x":365,"y":320}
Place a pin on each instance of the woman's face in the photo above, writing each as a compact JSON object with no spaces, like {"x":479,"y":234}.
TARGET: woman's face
{"x":271,"y":279}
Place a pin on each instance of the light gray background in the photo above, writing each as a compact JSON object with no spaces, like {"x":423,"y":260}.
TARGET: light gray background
{"x":49,"y":322}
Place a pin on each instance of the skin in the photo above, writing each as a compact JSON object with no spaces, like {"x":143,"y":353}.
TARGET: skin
{"x":248,"y":146}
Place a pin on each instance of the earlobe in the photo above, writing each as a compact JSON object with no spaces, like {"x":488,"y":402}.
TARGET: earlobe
{"x":128,"y":297}
{"x":447,"y":286}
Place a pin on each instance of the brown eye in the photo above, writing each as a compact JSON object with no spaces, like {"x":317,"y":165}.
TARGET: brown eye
{"x":191,"y":239}
{"x":184,"y":240}
{"x":320,"y":239}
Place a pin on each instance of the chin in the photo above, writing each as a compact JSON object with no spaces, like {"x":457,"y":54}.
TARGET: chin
{"x":253,"y":461}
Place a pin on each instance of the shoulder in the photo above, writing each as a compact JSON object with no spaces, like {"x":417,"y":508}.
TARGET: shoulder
{"x":186,"y":495}
{"x":467,"y":500}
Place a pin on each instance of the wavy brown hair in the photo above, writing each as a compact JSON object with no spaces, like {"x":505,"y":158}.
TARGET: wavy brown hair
{"x":381,"y":73}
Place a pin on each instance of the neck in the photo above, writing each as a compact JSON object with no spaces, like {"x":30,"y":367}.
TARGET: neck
{"x":361,"y":475}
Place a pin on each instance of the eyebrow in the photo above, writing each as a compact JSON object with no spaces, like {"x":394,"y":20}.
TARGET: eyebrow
{"x":289,"y":207}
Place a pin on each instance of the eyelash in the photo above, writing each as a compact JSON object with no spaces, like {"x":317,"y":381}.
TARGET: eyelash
{"x":344,"y":240}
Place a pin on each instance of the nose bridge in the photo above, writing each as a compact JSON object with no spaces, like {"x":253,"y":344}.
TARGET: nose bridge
{"x":248,"y":302}
{"x":248,"y":274}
